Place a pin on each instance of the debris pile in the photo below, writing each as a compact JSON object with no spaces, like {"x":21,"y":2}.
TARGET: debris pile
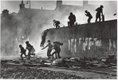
{"x":23,"y":72}
{"x":85,"y":63}
{"x":16,"y":69}
{"x":70,"y":62}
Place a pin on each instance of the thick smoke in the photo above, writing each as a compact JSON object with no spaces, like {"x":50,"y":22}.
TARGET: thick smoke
{"x":14,"y":30}
{"x":8,"y":35}
{"x":17,"y":28}
{"x":40,"y":22}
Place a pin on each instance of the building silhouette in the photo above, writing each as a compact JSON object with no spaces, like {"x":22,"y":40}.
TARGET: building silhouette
{"x":60,"y":7}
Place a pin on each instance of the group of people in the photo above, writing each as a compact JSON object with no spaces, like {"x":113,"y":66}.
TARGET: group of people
{"x":56,"y":47}
{"x":72,"y":17}
{"x":30,"y":49}
{"x":99,"y":16}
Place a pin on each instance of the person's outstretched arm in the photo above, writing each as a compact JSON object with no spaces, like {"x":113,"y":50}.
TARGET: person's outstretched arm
{"x":45,"y":47}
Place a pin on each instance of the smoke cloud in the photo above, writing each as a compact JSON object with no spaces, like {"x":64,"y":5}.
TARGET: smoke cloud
{"x":18,"y":28}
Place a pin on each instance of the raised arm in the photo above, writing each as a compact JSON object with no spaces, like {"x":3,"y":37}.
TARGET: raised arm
{"x":86,"y":14}
{"x":45,"y":47}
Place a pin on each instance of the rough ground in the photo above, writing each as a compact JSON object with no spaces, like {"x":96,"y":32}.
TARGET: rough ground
{"x":18,"y":71}
{"x":24,"y":72}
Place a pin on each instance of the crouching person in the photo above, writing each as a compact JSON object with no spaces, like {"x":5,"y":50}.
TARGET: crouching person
{"x":57,"y":49}
{"x":30,"y":49}
{"x":22,"y":51}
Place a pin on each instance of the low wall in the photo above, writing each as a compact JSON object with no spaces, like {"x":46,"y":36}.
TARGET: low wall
{"x":93,"y":40}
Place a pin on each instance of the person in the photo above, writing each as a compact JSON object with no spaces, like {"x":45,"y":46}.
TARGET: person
{"x":49,"y":45}
{"x":57,"y":49}
{"x":56,"y":23}
{"x":30,"y":49}
{"x":72,"y":19}
{"x":22,"y":51}
{"x":114,"y":14}
{"x":99,"y":13}
{"x":88,"y":14}
{"x":44,"y":38}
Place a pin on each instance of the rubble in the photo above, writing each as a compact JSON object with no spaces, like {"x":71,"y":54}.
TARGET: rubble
{"x":15,"y":72}
{"x":69,"y":62}
{"x":111,"y":60}
{"x":94,"y":65}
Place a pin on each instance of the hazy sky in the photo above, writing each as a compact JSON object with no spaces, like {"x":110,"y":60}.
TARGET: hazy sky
{"x":13,"y":5}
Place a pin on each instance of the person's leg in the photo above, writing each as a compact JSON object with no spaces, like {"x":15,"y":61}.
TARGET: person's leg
{"x":73,"y":23}
{"x":29,"y":54}
{"x":68,"y":23}
{"x":33,"y":52}
{"x":97,"y":16}
{"x":58,"y":53}
{"x":100,"y":19}
{"x":88,"y":20}
{"x":96,"y":20}
{"x":48,"y":54}
{"x":103,"y":19}
{"x":56,"y":26}
{"x":25,"y":53}
{"x":21,"y":56}
{"x":54,"y":53}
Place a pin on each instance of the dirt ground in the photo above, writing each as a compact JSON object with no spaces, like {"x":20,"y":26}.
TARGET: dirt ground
{"x":11,"y":71}
{"x":25,"y":72}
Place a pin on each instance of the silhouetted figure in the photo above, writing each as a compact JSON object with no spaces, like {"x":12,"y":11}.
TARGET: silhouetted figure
{"x":22,"y":51}
{"x":49,"y":45}
{"x":115,"y":14}
{"x":72,"y":19}
{"x":57,"y":49}
{"x":5,"y":12}
{"x":88,"y":14}
{"x":99,"y":13}
{"x":44,"y":38}
{"x":30,"y":49}
{"x":56,"y":23}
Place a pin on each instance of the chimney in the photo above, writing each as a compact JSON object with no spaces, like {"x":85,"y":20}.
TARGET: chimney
{"x":59,"y":3}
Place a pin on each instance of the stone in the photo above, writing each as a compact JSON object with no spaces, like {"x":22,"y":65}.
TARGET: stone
{"x":57,"y":62}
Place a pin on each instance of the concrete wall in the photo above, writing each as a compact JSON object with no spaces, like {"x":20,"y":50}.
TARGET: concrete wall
{"x":93,"y":40}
